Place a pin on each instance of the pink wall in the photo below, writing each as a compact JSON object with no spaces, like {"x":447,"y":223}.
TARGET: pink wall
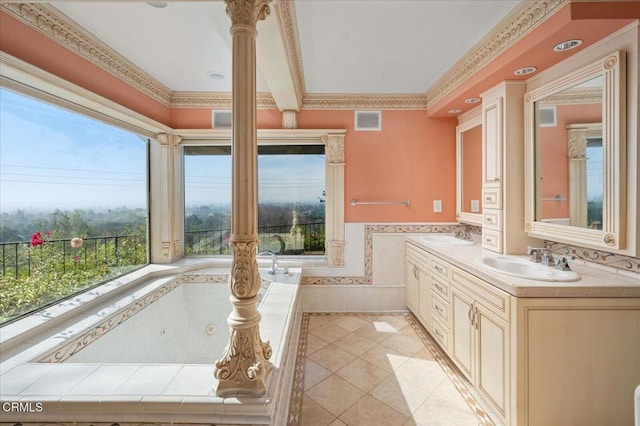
{"x":200,"y":118}
{"x":413,"y":157}
{"x":554,"y":163}
{"x":472,"y":170}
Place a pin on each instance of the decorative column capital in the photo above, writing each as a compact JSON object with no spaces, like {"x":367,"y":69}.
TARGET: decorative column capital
{"x":247,"y":12}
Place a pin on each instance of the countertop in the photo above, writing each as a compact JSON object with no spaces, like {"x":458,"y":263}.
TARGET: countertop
{"x":595,"y":281}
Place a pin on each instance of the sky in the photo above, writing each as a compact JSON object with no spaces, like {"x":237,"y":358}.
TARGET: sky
{"x":51,"y":158}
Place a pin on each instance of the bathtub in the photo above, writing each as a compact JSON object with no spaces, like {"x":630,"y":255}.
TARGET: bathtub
{"x":143,"y":351}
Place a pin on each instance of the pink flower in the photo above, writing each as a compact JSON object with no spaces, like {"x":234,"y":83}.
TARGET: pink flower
{"x":49,"y":233}
{"x":36,"y":239}
{"x":76,"y":243}
{"x":76,"y":258}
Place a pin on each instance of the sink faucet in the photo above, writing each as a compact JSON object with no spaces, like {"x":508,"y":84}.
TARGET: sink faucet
{"x":541,"y":255}
{"x":274,"y":260}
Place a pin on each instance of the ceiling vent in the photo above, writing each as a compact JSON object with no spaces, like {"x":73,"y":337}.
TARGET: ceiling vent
{"x":222,"y":119}
{"x":547,"y":116}
{"x":368,"y":120}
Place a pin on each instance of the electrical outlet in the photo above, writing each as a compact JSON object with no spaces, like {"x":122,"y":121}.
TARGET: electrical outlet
{"x":437,"y":206}
{"x":475,"y":206}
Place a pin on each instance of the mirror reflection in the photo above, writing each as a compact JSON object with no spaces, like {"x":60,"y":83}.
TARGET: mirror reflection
{"x":471,"y":151}
{"x":569,"y":156}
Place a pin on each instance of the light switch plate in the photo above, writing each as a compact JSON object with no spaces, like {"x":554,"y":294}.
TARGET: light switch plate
{"x":437,"y":206}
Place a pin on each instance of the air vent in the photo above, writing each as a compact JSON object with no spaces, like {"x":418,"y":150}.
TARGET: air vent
{"x":368,"y":120}
{"x":547,"y":116}
{"x":222,"y":119}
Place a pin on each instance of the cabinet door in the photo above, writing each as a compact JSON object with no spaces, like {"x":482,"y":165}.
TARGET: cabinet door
{"x":413,"y":289}
{"x":492,"y":377}
{"x":424,"y":295}
{"x":492,"y":143}
{"x":462,"y":346}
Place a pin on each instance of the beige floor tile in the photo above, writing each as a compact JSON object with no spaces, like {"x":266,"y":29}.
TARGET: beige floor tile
{"x":409,"y":331}
{"x":368,"y":411}
{"x":424,"y":373}
{"x":335,"y":394}
{"x":402,"y":397}
{"x":350,"y":322}
{"x":398,"y":322}
{"x":329,"y":332}
{"x":314,"y":343}
{"x":383,"y":357}
{"x":314,"y":373}
{"x":423,"y":353}
{"x":312,"y":414}
{"x":376,"y":331}
{"x":362,"y":374}
{"x":316,"y":321}
{"x":403,"y":344}
{"x":337,"y":422}
{"x":332,"y":357}
{"x":355,"y":344}
{"x":436,"y":411}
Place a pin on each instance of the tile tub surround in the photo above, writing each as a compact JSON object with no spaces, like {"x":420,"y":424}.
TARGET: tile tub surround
{"x":134,"y":392}
{"x":595,"y":280}
{"x":383,"y":369}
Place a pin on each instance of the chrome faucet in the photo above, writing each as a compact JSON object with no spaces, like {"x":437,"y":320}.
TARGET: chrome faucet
{"x":543,"y":255}
{"x":274,"y":260}
{"x":563,"y":264}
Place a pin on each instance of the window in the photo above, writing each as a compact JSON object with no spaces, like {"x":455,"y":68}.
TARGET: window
{"x":291,"y":200}
{"x":73,"y":202}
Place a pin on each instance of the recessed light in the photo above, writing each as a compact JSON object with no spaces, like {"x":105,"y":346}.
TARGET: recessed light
{"x":216,"y":75}
{"x":455,"y":111}
{"x":525,"y":70}
{"x":567,"y":45}
{"x":472,"y":101}
{"x":157,"y":4}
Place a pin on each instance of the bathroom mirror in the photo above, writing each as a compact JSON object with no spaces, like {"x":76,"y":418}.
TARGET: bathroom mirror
{"x":574,"y":135}
{"x":469,"y":167}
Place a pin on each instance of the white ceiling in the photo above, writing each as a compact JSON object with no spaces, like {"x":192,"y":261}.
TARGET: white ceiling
{"x":348,"y":46}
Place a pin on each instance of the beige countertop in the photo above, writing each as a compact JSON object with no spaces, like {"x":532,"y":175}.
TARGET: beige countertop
{"x":595,"y":280}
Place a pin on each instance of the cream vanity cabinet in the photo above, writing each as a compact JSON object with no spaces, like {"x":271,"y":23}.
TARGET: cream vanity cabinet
{"x":503,"y":168}
{"x":480,"y":337}
{"x":417,"y":283}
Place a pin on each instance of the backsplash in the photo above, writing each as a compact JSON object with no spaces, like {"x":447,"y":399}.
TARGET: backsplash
{"x":613,"y":260}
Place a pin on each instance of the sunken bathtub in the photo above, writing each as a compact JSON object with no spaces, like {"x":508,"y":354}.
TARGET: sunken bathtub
{"x":142,"y":349}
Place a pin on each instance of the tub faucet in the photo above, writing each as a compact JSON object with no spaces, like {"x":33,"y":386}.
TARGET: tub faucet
{"x":274,"y":260}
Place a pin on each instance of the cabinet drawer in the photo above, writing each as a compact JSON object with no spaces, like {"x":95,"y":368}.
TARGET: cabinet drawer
{"x":439,"y":267}
{"x":440,"y":287}
{"x":487,"y":295}
{"x":492,"y":240}
{"x":440,"y":334}
{"x":440,"y":308}
{"x":492,"y":198}
{"x":492,"y":219}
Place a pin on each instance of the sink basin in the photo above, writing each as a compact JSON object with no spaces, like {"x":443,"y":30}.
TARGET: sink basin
{"x":524,"y":269}
{"x":445,"y":240}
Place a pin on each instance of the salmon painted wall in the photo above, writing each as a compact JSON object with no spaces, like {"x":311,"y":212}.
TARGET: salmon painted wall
{"x":472,"y":170}
{"x":200,"y":118}
{"x":554,"y":162}
{"x":413,"y":157}
{"x":31,"y":46}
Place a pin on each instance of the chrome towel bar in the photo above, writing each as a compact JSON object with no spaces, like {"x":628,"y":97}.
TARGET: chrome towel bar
{"x":355,"y":202}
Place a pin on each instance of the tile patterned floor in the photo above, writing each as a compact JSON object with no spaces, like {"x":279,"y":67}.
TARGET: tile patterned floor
{"x":373,"y":370}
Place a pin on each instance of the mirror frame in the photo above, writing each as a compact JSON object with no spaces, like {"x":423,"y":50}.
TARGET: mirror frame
{"x":467,"y":121}
{"x":612,"y":236}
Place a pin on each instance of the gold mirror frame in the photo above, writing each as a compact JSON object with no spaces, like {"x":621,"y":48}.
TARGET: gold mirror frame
{"x":612,"y":236}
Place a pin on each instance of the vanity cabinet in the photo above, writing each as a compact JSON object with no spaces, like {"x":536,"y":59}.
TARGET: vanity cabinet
{"x":503,"y":168}
{"x":418,"y":289}
{"x":480,"y":331}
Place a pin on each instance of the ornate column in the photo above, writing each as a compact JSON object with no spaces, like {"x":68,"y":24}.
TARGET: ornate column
{"x":334,"y":229}
{"x":245,"y":364}
{"x":578,"y":177}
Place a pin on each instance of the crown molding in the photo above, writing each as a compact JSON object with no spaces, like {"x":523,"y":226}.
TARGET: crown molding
{"x":575,"y":95}
{"x":521,"y":21}
{"x":59,"y":28}
{"x":286,"y":15}
{"x":216,"y":100}
{"x":354,"y":101}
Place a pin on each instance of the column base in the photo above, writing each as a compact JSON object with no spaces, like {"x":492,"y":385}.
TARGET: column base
{"x":245,"y":365}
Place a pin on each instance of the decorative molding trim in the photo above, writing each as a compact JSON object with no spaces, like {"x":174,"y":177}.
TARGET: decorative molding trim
{"x":286,"y":15}
{"x":524,"y":19}
{"x":289,"y":119}
{"x":626,"y":263}
{"x":216,"y":100}
{"x":369,"y":230}
{"x":59,"y":28}
{"x":575,"y":95}
{"x":359,"y":101}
